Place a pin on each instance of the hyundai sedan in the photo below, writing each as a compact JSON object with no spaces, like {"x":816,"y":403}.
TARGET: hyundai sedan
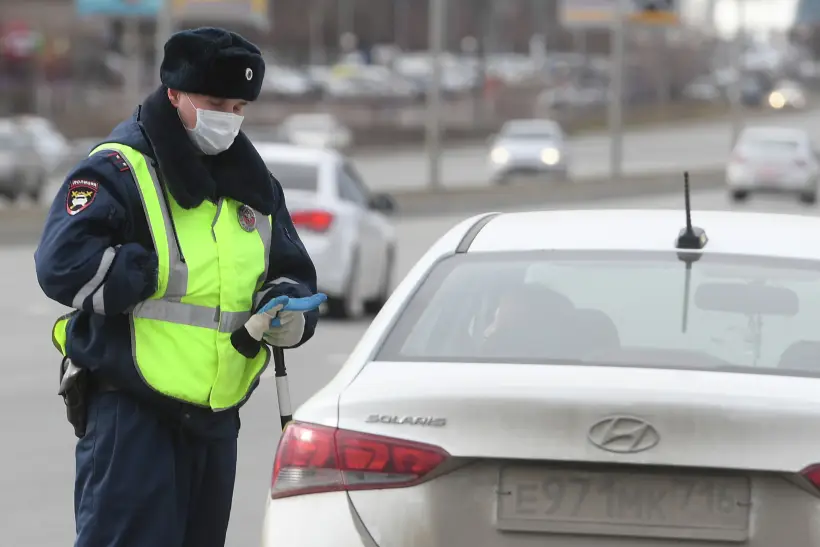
{"x":574,"y":379}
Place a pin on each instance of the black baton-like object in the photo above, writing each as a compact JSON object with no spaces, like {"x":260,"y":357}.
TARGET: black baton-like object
{"x":282,"y":389}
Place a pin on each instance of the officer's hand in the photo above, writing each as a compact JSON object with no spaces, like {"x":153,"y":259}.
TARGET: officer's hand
{"x":287,"y":318}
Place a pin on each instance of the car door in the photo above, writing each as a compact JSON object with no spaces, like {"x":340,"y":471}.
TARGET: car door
{"x":356,"y":199}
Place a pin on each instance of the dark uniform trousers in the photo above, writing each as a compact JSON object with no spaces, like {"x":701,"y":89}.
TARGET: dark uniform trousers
{"x":142,"y":482}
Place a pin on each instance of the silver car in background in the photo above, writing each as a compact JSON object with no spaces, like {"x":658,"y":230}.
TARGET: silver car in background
{"x":773,"y":160}
{"x":528,"y":147}
{"x":22,"y":170}
{"x":317,"y":130}
{"x":345,"y":228}
{"x":787,"y":95}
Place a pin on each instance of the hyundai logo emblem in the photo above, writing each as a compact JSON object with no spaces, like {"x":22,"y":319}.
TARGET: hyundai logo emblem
{"x":623,"y":435}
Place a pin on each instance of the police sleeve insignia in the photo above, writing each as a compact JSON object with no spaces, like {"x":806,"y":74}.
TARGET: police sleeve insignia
{"x":80,"y":196}
{"x":118,"y":162}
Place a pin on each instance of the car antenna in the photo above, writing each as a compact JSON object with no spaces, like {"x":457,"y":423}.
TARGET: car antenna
{"x":690,"y":238}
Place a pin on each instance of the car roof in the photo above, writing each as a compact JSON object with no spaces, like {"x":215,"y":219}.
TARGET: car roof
{"x":310,"y":117}
{"x":729,"y":232}
{"x":534,"y":123}
{"x":773,"y":132}
{"x":291,"y":153}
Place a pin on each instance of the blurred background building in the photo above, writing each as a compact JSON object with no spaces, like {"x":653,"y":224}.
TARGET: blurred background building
{"x":363,"y":65}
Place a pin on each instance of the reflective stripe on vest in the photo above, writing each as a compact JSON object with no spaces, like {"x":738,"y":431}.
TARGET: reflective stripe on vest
{"x":180,"y":336}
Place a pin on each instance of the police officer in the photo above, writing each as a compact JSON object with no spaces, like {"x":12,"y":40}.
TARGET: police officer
{"x":164,"y":241}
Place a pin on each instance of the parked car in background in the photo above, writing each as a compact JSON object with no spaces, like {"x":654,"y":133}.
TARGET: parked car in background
{"x":779,"y":160}
{"x":535,"y":147}
{"x":22,"y":170}
{"x":316,"y":130}
{"x":787,"y":95}
{"x":51,"y":145}
{"x":344,"y":227}
{"x":752,"y":91}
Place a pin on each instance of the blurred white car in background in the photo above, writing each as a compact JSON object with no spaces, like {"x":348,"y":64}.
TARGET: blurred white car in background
{"x":287,"y":82}
{"x":773,"y":160}
{"x":51,"y":145}
{"x":787,"y":95}
{"x":316,"y":130}
{"x":528,"y":147}
{"x":344,"y":227}
{"x":23,"y":171}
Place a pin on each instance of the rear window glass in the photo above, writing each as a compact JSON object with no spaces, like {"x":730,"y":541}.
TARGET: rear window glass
{"x":295,"y":176}
{"x":620,"y":309}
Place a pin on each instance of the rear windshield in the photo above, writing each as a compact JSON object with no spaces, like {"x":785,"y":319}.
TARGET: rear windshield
{"x":295,"y":176}
{"x":620,"y":309}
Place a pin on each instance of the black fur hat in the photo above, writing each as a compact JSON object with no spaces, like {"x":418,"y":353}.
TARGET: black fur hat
{"x":215,"y":62}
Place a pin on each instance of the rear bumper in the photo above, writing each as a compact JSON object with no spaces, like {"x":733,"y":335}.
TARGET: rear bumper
{"x":736,"y":180}
{"x":312,"y":521}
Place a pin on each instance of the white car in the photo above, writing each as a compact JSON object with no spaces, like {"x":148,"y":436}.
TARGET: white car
{"x":564,"y":378}
{"x":317,"y":130}
{"x":773,"y":160}
{"x":344,"y":227}
{"x":787,"y":95}
{"x":532,"y":147}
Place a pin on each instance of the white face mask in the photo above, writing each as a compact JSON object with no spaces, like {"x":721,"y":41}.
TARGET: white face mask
{"x":214,"y":131}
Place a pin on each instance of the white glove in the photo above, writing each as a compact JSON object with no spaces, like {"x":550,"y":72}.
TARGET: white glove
{"x":281,"y":322}
{"x":289,"y":332}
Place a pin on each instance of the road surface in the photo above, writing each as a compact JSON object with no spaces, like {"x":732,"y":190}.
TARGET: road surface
{"x":694,"y":146}
{"x":36,"y":463}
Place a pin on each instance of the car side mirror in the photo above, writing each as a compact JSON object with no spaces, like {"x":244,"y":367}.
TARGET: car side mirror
{"x":382,"y":203}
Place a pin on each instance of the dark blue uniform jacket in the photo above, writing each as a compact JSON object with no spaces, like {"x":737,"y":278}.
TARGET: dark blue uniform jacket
{"x":109,"y":215}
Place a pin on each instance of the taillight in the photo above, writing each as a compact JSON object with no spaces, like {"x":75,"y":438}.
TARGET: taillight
{"x":313,"y":458}
{"x":315,"y":221}
{"x":812,"y":474}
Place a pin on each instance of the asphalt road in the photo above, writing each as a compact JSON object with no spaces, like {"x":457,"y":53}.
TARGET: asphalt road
{"x":36,"y":461}
{"x":694,"y":146}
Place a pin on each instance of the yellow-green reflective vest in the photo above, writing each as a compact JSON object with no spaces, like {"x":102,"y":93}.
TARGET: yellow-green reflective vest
{"x":212,"y":261}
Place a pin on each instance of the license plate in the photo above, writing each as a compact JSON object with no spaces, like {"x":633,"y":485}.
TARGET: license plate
{"x":768,"y":174}
{"x":617,"y":503}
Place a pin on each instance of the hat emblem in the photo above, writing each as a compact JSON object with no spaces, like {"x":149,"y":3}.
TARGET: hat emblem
{"x":248,"y":74}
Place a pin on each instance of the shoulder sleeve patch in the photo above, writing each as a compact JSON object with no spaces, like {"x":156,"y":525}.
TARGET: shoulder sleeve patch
{"x":118,"y":161}
{"x":80,"y":195}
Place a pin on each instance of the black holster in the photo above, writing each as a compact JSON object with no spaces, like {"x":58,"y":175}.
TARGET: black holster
{"x":74,"y":389}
